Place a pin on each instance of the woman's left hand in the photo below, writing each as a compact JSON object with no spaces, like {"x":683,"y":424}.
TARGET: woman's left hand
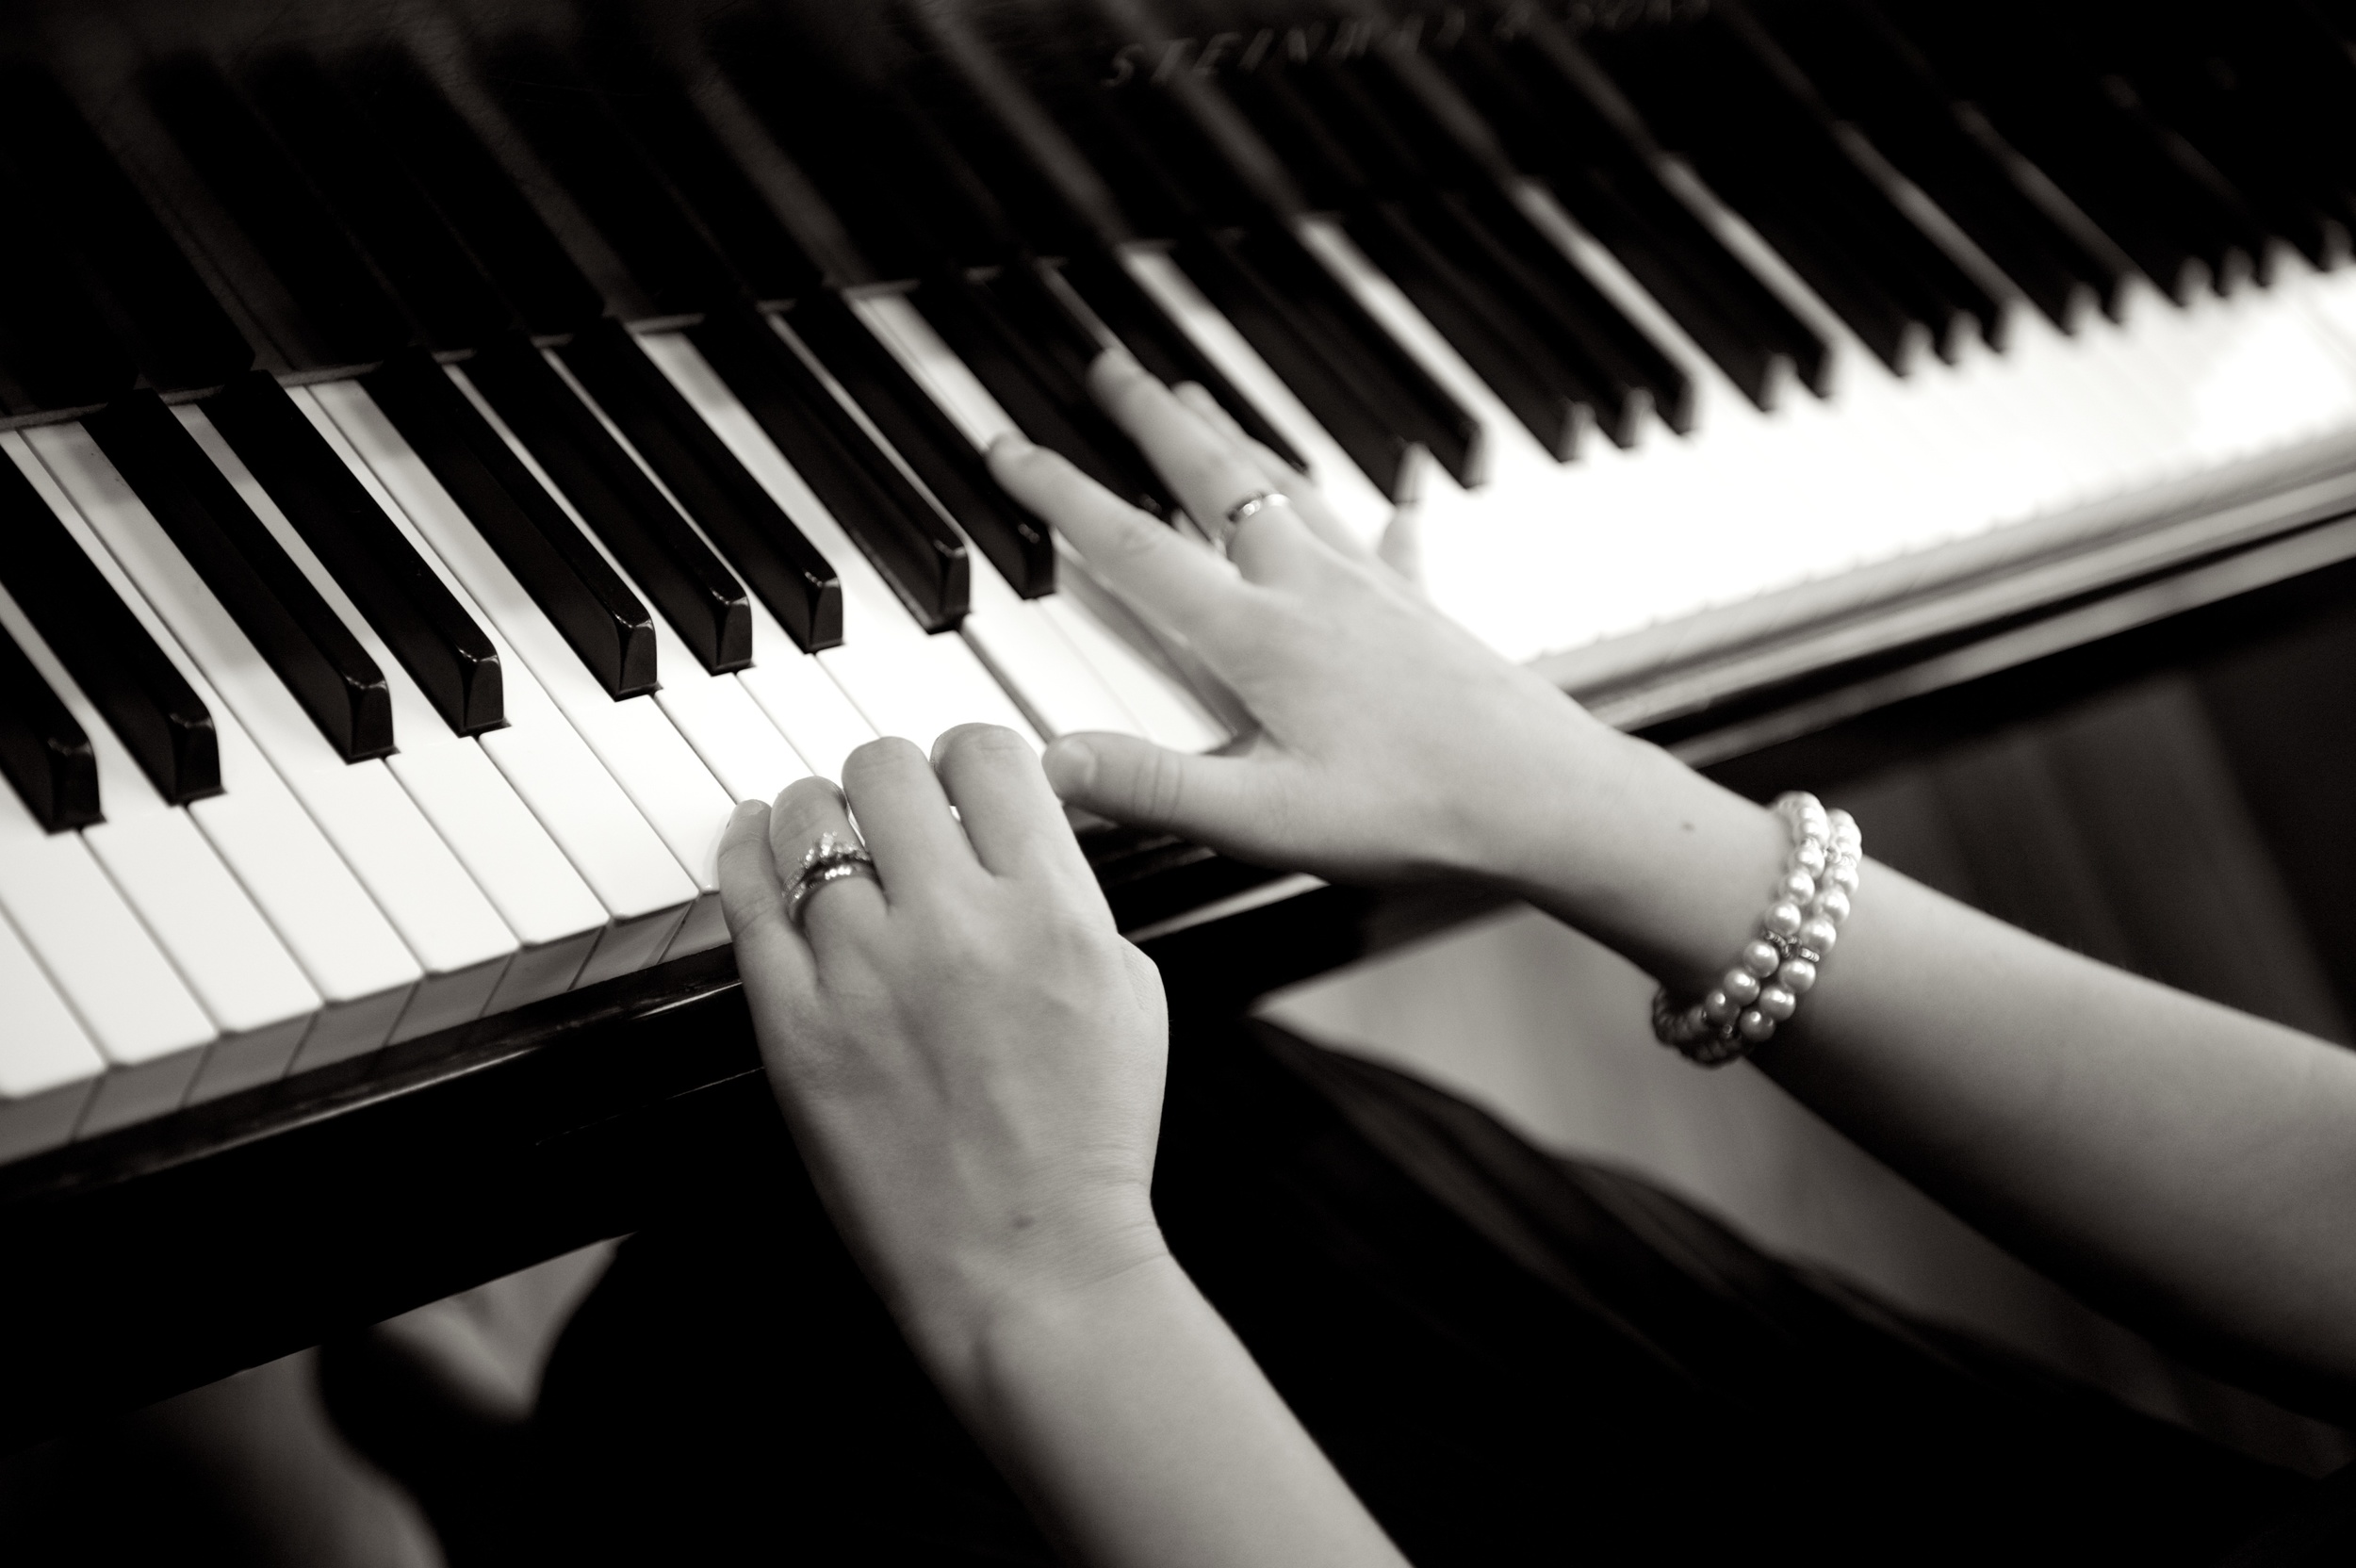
{"x":969,"y":1055}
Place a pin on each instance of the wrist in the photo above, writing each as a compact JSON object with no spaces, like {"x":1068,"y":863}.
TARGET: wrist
{"x":961,"y":1313}
{"x":1646,"y":856}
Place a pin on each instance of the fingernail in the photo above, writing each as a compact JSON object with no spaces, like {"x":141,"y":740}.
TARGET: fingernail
{"x":1010,"y":443}
{"x":1071,"y":767}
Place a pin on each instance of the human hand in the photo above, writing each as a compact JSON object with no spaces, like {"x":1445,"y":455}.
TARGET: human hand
{"x":1389,"y":742}
{"x":970,"y":1056}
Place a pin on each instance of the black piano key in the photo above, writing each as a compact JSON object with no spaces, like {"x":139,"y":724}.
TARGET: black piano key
{"x":1351,"y":158}
{"x":1160,"y":345}
{"x":1346,"y":336}
{"x":445,"y":293}
{"x":2056,"y":109}
{"x":1052,"y":405}
{"x":1549,"y":103}
{"x":173,"y":327}
{"x":452,"y":658}
{"x":1705,"y":100}
{"x":43,"y":752}
{"x":606,"y":173}
{"x":758,"y":539}
{"x":925,"y":435}
{"x":1216,"y":265}
{"x":341,"y":304}
{"x":55,"y":352}
{"x":1332,"y":322}
{"x":1066,"y":93}
{"x":887,"y":517}
{"x":566,"y":578}
{"x":810,"y":104}
{"x":151,"y":707}
{"x":1566,"y":312}
{"x":702,"y":598}
{"x":296,"y":633}
{"x":1871,"y":76}
{"x":474,"y":194}
{"x":2262,"y":168}
{"x":768,"y":260}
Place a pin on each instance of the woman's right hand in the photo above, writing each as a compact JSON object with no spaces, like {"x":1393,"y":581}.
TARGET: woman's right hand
{"x":1389,"y":742}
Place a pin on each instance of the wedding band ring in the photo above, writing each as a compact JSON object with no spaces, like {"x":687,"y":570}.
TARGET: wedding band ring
{"x":1249,"y":508}
{"x":830,"y":860}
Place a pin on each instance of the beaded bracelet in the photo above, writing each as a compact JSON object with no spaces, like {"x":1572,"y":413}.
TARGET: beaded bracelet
{"x":1777,"y":967}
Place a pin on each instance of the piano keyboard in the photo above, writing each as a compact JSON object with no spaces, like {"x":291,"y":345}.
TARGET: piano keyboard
{"x":408,"y":677}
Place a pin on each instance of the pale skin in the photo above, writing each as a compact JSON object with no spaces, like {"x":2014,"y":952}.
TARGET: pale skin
{"x":972,"y":1058}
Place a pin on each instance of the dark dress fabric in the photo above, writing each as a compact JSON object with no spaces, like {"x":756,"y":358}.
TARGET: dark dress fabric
{"x":1511,"y":1358}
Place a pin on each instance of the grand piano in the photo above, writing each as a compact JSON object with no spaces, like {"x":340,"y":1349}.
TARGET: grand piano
{"x":455,"y":451}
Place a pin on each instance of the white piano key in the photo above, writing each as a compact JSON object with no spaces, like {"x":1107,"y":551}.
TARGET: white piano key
{"x":347,"y":950}
{"x":645,"y":893}
{"x":125,"y":992}
{"x":554,"y":916}
{"x":903,"y":680}
{"x":718,"y":716}
{"x":634,"y":740}
{"x":239,"y":971}
{"x":47,"y":1065}
{"x":409,"y":873}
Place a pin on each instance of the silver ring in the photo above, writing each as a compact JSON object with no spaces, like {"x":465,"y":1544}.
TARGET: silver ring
{"x":830,"y":860}
{"x":1249,"y":508}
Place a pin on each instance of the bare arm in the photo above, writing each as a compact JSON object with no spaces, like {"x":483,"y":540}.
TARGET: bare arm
{"x":2190,"y":1165}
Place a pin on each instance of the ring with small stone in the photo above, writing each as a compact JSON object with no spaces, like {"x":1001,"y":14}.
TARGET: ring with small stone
{"x":830,"y":860}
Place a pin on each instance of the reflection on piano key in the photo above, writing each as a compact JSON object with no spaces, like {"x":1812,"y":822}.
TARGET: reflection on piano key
{"x":408,"y":871}
{"x":576,"y":801}
{"x":237,"y":969}
{"x":47,"y":1064}
{"x":635,"y":741}
{"x":347,"y":950}
{"x":555,"y":918}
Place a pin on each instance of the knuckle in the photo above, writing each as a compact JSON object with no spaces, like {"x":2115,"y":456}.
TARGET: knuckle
{"x":1164,"y":787}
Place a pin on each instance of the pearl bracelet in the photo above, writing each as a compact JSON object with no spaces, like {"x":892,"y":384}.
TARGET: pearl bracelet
{"x":1778,"y":965}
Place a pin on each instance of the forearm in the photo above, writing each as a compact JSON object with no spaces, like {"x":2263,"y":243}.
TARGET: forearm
{"x":2172,"y":1154}
{"x":1144,"y":1434}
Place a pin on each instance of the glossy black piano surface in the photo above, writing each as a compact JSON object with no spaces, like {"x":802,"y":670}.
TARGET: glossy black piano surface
{"x":382,"y":313}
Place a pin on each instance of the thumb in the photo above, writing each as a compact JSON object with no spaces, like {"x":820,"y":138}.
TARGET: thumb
{"x":1137,"y":782}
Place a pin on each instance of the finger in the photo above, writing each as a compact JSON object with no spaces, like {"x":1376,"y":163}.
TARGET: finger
{"x":770,"y":953}
{"x":1277,"y":474}
{"x":1175,"y":583}
{"x":848,"y":911}
{"x":1144,"y":785}
{"x":1013,"y":819}
{"x":1211,"y":474}
{"x":905,"y":818}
